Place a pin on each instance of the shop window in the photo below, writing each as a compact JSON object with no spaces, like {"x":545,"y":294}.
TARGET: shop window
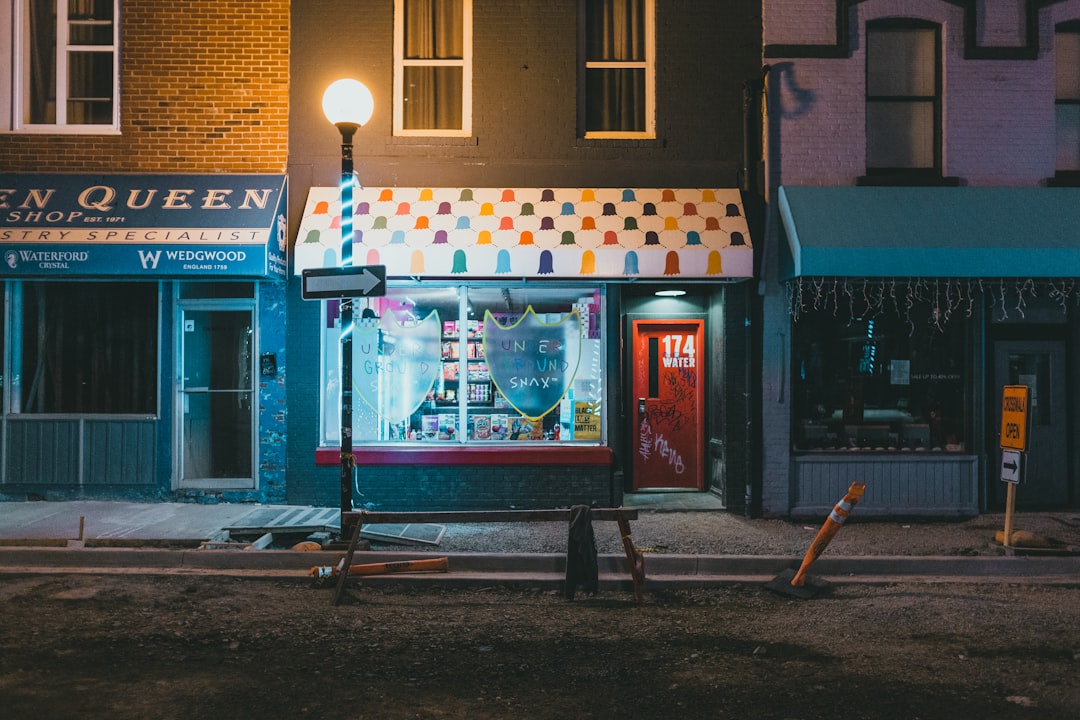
{"x":903,"y":100}
{"x":65,"y":66}
{"x":470,"y":365}
{"x":884,"y":382}
{"x":618,"y":72}
{"x":84,"y":348}
{"x":1067,"y":101}
{"x":433,"y":67}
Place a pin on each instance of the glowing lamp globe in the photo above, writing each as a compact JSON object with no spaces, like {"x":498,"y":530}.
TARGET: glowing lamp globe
{"x":348,"y":102}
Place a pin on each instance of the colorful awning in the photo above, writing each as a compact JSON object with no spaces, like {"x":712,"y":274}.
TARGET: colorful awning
{"x":533,"y":232}
{"x":931,"y":231}
{"x":219,"y":226}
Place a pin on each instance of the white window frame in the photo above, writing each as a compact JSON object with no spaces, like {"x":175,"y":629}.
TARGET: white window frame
{"x":401,"y":62}
{"x":15,"y":36}
{"x":649,"y":65}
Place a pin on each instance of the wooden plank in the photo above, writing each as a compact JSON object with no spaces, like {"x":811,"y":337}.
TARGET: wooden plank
{"x":346,"y":562}
{"x":368,"y":517}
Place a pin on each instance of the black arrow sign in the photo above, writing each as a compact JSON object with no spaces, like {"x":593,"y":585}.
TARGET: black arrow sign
{"x":346,"y":282}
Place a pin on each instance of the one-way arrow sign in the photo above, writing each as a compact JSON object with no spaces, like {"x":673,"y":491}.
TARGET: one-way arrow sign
{"x":1010,"y":466}
{"x":344,"y":282}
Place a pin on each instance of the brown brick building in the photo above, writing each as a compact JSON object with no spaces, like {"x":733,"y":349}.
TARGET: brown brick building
{"x":142,"y":176}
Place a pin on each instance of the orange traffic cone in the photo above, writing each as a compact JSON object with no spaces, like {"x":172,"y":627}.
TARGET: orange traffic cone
{"x":832,"y":524}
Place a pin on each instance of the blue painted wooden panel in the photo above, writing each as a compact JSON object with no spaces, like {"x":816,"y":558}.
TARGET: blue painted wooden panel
{"x":74,"y":453}
{"x":930,"y":485}
{"x":42,"y":452}
{"x":119,"y":452}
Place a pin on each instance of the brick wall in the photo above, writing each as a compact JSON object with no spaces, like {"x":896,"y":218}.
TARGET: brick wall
{"x":204,"y":88}
{"x":998,"y":117}
{"x":998,"y":130}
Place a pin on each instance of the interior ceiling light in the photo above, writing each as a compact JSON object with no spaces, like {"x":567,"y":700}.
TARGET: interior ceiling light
{"x":670,"y":293}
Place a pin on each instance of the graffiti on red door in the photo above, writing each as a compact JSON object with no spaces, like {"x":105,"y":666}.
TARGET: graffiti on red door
{"x":667,"y":385}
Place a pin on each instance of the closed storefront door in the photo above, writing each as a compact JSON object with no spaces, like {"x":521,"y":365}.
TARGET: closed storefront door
{"x":1040,"y":365}
{"x":216,"y":396}
{"x":668,"y":386}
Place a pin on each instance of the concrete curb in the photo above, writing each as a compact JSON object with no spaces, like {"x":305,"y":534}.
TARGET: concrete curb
{"x":542,"y":569}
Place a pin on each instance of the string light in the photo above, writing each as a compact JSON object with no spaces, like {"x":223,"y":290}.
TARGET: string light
{"x":867,"y":298}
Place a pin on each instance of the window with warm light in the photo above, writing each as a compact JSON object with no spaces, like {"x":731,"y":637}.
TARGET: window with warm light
{"x":433,"y":67}
{"x":618,"y":74}
{"x":470,"y":365}
{"x":65,"y":66}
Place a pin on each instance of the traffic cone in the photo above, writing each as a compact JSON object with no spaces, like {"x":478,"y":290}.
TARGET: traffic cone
{"x":833,"y":523}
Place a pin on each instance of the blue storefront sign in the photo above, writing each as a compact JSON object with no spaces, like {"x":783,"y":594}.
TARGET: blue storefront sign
{"x":227,"y":226}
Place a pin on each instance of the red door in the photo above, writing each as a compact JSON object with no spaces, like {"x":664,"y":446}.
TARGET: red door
{"x":668,"y":404}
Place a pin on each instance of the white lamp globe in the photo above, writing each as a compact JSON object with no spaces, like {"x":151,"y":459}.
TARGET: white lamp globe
{"x":348,"y":101}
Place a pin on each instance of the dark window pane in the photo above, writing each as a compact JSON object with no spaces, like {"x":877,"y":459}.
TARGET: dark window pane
{"x":616,"y":100}
{"x":90,"y":85}
{"x":900,"y":135}
{"x":615,"y":30}
{"x":41,"y":70}
{"x":433,"y":98}
{"x":90,"y":34}
{"x":434,"y":29}
{"x":1068,"y":137}
{"x":89,"y":347}
{"x":901,"y":62}
{"x":892,"y":379}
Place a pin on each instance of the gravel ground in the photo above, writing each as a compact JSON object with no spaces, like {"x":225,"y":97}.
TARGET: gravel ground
{"x":721,"y":533}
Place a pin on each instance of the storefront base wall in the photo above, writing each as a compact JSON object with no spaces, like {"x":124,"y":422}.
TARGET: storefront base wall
{"x":463,"y":487}
{"x":931,"y":486}
{"x":80,"y":457}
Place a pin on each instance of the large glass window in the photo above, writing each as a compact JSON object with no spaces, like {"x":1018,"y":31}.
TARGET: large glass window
{"x":470,"y":365}
{"x":65,"y":65}
{"x":619,"y":69}
{"x":891,"y":377}
{"x":85,"y":348}
{"x":903,"y":97}
{"x":433,"y":67}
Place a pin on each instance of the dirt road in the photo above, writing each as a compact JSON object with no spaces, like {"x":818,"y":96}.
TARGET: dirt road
{"x":122,"y":647}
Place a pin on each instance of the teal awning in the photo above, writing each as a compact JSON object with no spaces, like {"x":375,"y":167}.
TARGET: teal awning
{"x":930,"y":231}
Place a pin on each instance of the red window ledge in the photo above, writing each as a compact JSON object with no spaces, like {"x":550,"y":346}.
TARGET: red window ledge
{"x":532,"y":455}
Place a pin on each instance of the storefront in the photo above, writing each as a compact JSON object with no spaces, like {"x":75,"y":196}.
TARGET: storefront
{"x":143,"y":336}
{"x":911,"y":309}
{"x":520,"y":356}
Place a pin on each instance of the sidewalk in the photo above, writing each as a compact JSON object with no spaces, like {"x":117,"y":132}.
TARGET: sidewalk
{"x":695,"y":547}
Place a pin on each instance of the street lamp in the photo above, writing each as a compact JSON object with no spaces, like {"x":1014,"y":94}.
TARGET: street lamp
{"x":348,"y":105}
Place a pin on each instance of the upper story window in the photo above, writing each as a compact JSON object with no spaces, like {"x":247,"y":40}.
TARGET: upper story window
{"x":65,"y":66}
{"x":433,"y":67}
{"x":903,"y":99}
{"x":618,"y":87}
{"x":1067,"y":98}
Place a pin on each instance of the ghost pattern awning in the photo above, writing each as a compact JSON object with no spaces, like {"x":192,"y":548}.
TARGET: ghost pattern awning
{"x":533,"y":232}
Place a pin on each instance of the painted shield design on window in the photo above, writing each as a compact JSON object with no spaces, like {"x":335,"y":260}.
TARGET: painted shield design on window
{"x":395,"y":365}
{"x":533,"y":363}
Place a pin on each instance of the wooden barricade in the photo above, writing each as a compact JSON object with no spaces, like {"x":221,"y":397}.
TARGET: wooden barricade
{"x":353,"y":522}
